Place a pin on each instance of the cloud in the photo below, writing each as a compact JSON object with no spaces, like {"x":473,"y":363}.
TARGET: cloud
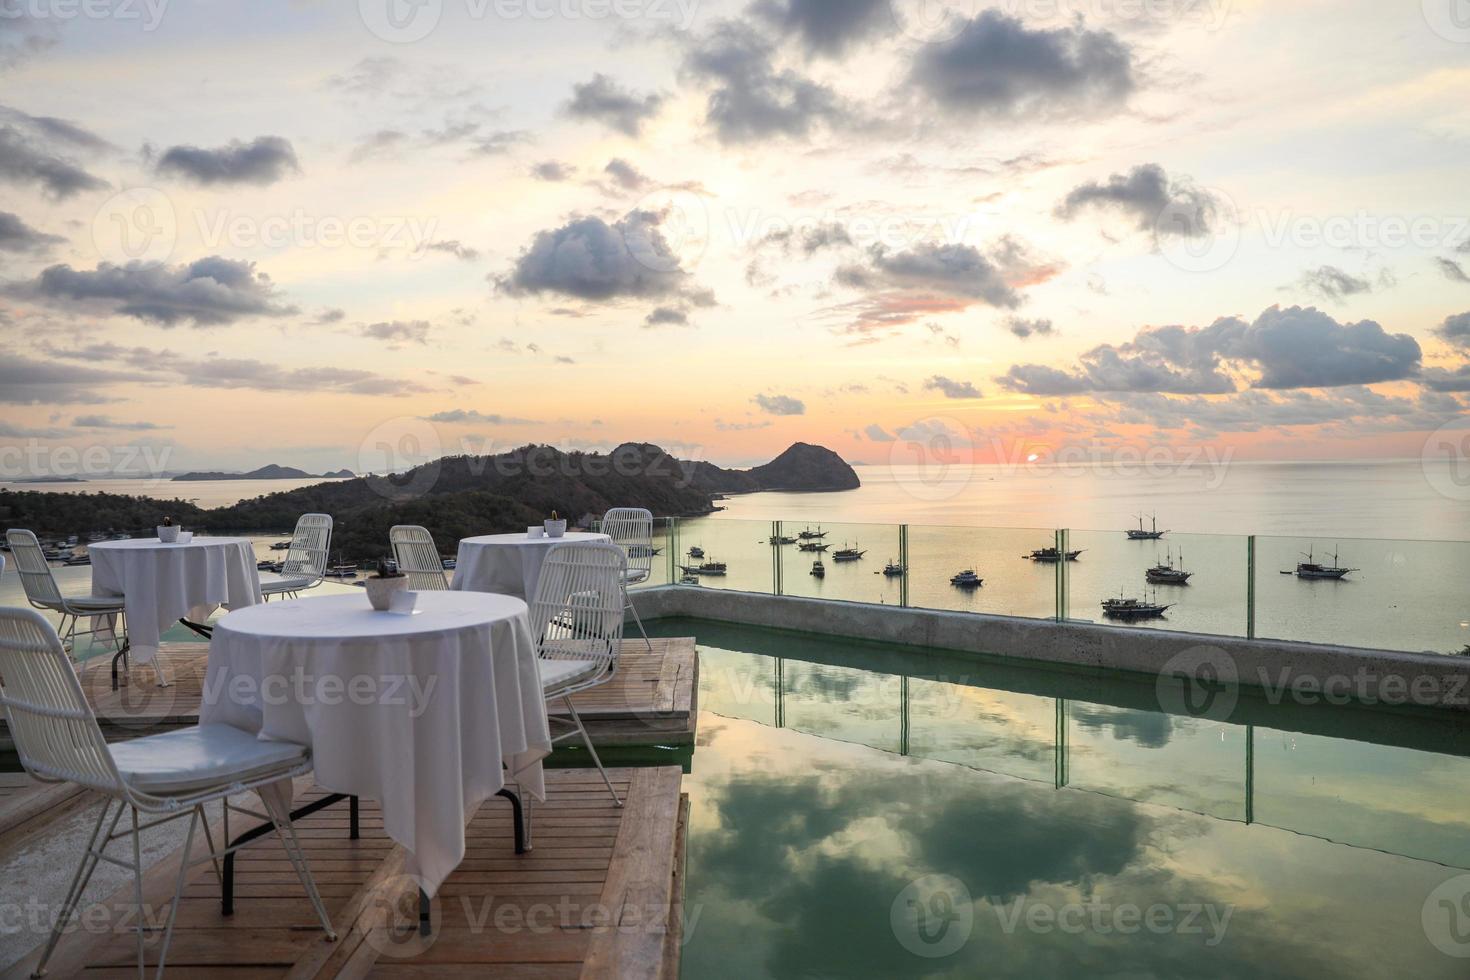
{"x":952,"y":389}
{"x":397,"y":331}
{"x":207,"y":292}
{"x":453,"y":247}
{"x":17,"y":236}
{"x":1023,"y":328}
{"x":591,"y":260}
{"x":375,"y":144}
{"x":829,"y":27}
{"x":1333,"y":283}
{"x":1442,"y":379}
{"x":1455,"y":330}
{"x":749,"y":98}
{"x":106,"y":422}
{"x":666,"y":315}
{"x":1452,"y":270}
{"x":500,"y":141}
{"x":931,"y":278}
{"x":603,"y":100}
{"x":23,"y":35}
{"x":223,"y":372}
{"x":877,"y":433}
{"x":329,"y":316}
{"x":1352,"y":409}
{"x":625,"y":175}
{"x":25,"y":161}
{"x":264,"y":160}
{"x":463,"y":416}
{"x":809,"y":239}
{"x":1287,"y":348}
{"x":552,"y":170}
{"x":780,"y":404}
{"x":27,"y":381}
{"x":1154,"y":202}
{"x":996,"y":67}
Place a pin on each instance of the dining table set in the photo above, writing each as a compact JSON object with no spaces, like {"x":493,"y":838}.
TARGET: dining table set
{"x":429,"y":710}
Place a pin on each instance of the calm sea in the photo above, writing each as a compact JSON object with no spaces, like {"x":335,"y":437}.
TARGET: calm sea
{"x":1404,"y":525}
{"x":205,"y":493}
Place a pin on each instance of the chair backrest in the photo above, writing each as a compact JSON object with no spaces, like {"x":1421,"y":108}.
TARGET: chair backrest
{"x":631,"y":529}
{"x":310,"y":545}
{"x":578,"y":610}
{"x":413,"y":549}
{"x":50,"y":721}
{"x":35,"y":573}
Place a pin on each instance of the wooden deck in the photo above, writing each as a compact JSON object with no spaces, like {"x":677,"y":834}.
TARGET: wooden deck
{"x":598,"y":896}
{"x":27,"y":805}
{"x":653,"y":698}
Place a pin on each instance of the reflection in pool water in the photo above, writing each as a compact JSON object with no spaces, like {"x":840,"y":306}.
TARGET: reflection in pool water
{"x":955,"y":818}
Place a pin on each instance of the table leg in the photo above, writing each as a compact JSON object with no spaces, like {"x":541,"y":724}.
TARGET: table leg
{"x":202,"y":629}
{"x":227,"y":885}
{"x":120,"y":655}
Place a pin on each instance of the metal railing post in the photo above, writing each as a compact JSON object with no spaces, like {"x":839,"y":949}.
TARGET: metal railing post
{"x":1250,"y":587}
{"x":776,"y":585}
{"x":903,"y":561}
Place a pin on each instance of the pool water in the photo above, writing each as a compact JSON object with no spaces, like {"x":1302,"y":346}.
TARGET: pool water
{"x":863,"y":811}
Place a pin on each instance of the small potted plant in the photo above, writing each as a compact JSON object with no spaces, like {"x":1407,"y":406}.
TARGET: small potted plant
{"x":383,"y":583}
{"x":555,"y":526}
{"x":168,"y":531}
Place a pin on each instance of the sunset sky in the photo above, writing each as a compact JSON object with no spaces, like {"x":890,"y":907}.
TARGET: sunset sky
{"x":298,"y":232}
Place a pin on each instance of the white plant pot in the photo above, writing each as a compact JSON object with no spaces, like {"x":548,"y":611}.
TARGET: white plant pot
{"x":555,"y":529}
{"x":168,"y":535}
{"x":380,"y":590}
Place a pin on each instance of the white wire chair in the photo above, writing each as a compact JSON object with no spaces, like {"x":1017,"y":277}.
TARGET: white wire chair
{"x":165,"y":776}
{"x":631,"y":529}
{"x":42,"y":592}
{"x":577,"y":620}
{"x":306,"y":561}
{"x":414,"y":551}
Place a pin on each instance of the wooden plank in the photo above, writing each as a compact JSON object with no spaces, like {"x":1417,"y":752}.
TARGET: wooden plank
{"x":640,"y":878}
{"x":28,"y":805}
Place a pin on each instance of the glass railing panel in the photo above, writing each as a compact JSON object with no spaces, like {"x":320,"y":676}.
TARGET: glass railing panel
{"x":743,"y":547}
{"x":737,"y":684}
{"x":1212,"y":598}
{"x":998,"y":731}
{"x":1399,"y":595}
{"x":842,"y":703}
{"x":1152,"y":757}
{"x":1012,"y":585}
{"x":868,"y":578}
{"x":1388,"y":798}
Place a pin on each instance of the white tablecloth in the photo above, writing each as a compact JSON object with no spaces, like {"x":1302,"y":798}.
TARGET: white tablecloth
{"x":418,"y":712}
{"x":507,"y":563}
{"x":161,"y":583}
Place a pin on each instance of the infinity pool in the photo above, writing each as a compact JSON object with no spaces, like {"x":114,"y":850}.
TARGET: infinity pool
{"x":862,"y":811}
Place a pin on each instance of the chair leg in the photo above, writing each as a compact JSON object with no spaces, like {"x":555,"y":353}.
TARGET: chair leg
{"x":587,"y":740}
{"x":628,"y":601}
{"x":287,"y":832}
{"x":209,"y":840}
{"x":173,"y":909}
{"x":138,"y":891}
{"x":79,"y":882}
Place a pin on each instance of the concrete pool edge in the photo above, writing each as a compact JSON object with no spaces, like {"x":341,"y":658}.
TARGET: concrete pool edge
{"x":1300,"y":672}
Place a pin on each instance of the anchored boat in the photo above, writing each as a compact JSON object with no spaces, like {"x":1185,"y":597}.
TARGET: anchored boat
{"x":1130,"y":608}
{"x":847,"y":554}
{"x":1051,"y":554}
{"x":818,"y":569}
{"x":809,"y":534}
{"x":1165,"y":573}
{"x":893,"y":569}
{"x":1313,"y":569}
{"x":966,"y":579}
{"x":1141,"y":533}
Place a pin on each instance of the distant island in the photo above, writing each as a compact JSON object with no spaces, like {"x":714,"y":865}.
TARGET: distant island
{"x":454,"y":497}
{"x":48,"y":479}
{"x":270,"y":471}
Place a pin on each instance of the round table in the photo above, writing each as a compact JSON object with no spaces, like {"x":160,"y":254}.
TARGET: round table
{"x":508,"y":563}
{"x":161,"y":583}
{"x":426,"y":713}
